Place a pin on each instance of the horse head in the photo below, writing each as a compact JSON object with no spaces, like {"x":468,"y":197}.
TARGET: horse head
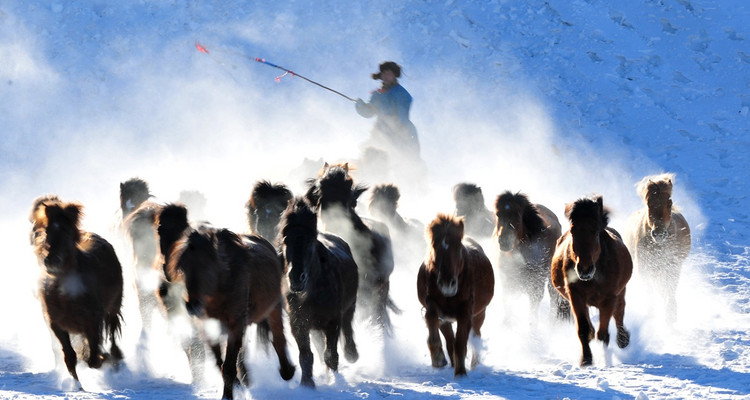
{"x":509,"y":226}
{"x":588,"y":219}
{"x":299,"y":233}
{"x":171,"y":222}
{"x":336,"y":196}
{"x":468,"y":198}
{"x":133,"y":192}
{"x":196,"y":262}
{"x":446,"y":252}
{"x":264,"y":208}
{"x":656,"y":192}
{"x":384,"y":202}
{"x":55,"y":232}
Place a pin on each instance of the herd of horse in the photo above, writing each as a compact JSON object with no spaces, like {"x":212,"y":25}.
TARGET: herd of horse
{"x":316,"y":259}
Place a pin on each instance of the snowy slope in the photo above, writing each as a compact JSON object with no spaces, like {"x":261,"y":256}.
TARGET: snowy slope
{"x":559,"y":99}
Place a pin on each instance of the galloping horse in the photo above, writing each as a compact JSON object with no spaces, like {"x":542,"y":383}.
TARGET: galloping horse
{"x":528,"y":232}
{"x":478,"y":219}
{"x":323,"y":284}
{"x":133,"y":193}
{"x":233,"y":279}
{"x":455,"y":282}
{"x":384,"y":207}
{"x":659,"y":238}
{"x":267,"y":202}
{"x":591,"y":267}
{"x":81,"y":289}
{"x":334,"y":196}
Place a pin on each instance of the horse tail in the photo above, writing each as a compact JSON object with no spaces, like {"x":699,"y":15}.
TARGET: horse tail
{"x":263,"y":330}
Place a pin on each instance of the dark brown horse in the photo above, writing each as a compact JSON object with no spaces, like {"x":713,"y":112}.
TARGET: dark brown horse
{"x":81,"y":289}
{"x":384,"y":207}
{"x":334,"y":196}
{"x":323,"y":284}
{"x":264,"y":208}
{"x":455,"y":283}
{"x":591,"y":267}
{"x":478,"y":219}
{"x":231,"y":278}
{"x":527,"y":234}
{"x":133,"y":193}
{"x":659,"y":238}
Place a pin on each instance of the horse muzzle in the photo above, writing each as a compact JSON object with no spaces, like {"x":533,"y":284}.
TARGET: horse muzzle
{"x":195,"y":308}
{"x":587,"y":274}
{"x":659,"y":236}
{"x":449,"y":288}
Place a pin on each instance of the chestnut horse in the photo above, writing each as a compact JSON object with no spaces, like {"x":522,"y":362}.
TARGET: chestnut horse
{"x":81,"y":289}
{"x":233,"y":279}
{"x":323,"y":284}
{"x":455,"y":283}
{"x":267,"y":202}
{"x":591,"y":267}
{"x":659,"y":238}
{"x":334,"y":196}
{"x":528,"y":233}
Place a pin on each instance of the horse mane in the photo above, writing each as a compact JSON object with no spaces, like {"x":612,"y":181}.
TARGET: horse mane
{"x":387,"y":191}
{"x":265,"y":190}
{"x":660,"y":182}
{"x":445,"y":225}
{"x":467,"y":190}
{"x":70,"y":211}
{"x":588,"y":208}
{"x":135,"y":186}
{"x":530,"y":214}
{"x":299,"y":214}
{"x":334,"y":175}
{"x":38,"y":203}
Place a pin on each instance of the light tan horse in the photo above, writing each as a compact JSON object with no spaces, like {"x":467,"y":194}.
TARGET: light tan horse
{"x":659,"y":238}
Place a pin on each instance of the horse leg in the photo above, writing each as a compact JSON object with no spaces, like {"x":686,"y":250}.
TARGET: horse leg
{"x":558,"y":303}
{"x":350,"y":347}
{"x":244,"y":374}
{"x":68,"y":352}
{"x":331,"y":355}
{"x":463,"y":329}
{"x":433,"y":338}
{"x":583,"y":325}
{"x":229,"y":369}
{"x":447,"y":329}
{"x":476,"y":324}
{"x":605,"y":314}
{"x":93,"y":336}
{"x":275,"y":321}
{"x":623,"y":336}
{"x":301,"y":334}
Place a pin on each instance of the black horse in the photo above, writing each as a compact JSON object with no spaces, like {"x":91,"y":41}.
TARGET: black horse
{"x":334,"y":196}
{"x":264,"y":207}
{"x":323,"y":284}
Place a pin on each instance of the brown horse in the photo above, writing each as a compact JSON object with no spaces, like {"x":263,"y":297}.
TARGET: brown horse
{"x":264,"y":208}
{"x":528,"y":232}
{"x":659,"y":238}
{"x":233,"y":279}
{"x":81,"y":289}
{"x":323,"y":284}
{"x":591,"y":267}
{"x":455,"y":283}
{"x":334,"y":196}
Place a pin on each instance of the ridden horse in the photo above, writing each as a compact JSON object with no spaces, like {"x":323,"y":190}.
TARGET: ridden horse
{"x":478,"y":219}
{"x":591,"y":267}
{"x":334,"y":196}
{"x":528,"y":233}
{"x":231,"y":278}
{"x":455,"y":283}
{"x":323,"y":284}
{"x":81,"y":289}
{"x":267,"y":202}
{"x":659,"y":238}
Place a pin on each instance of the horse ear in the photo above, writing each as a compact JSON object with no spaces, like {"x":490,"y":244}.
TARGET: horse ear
{"x":599,"y":204}
{"x":73,"y":211}
{"x":568,"y":209}
{"x":346,"y":167}
{"x":322,"y":253}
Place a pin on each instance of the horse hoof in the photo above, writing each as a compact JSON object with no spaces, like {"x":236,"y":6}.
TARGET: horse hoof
{"x":96,"y":362}
{"x":623,"y":339}
{"x":586,"y":362}
{"x":287,"y":372}
{"x":308,"y":383}
{"x":459,"y":373}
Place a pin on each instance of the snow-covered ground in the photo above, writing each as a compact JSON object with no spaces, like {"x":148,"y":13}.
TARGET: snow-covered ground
{"x":559,"y":99}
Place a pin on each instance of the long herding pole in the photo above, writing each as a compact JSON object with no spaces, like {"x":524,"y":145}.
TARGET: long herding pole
{"x":203,"y":49}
